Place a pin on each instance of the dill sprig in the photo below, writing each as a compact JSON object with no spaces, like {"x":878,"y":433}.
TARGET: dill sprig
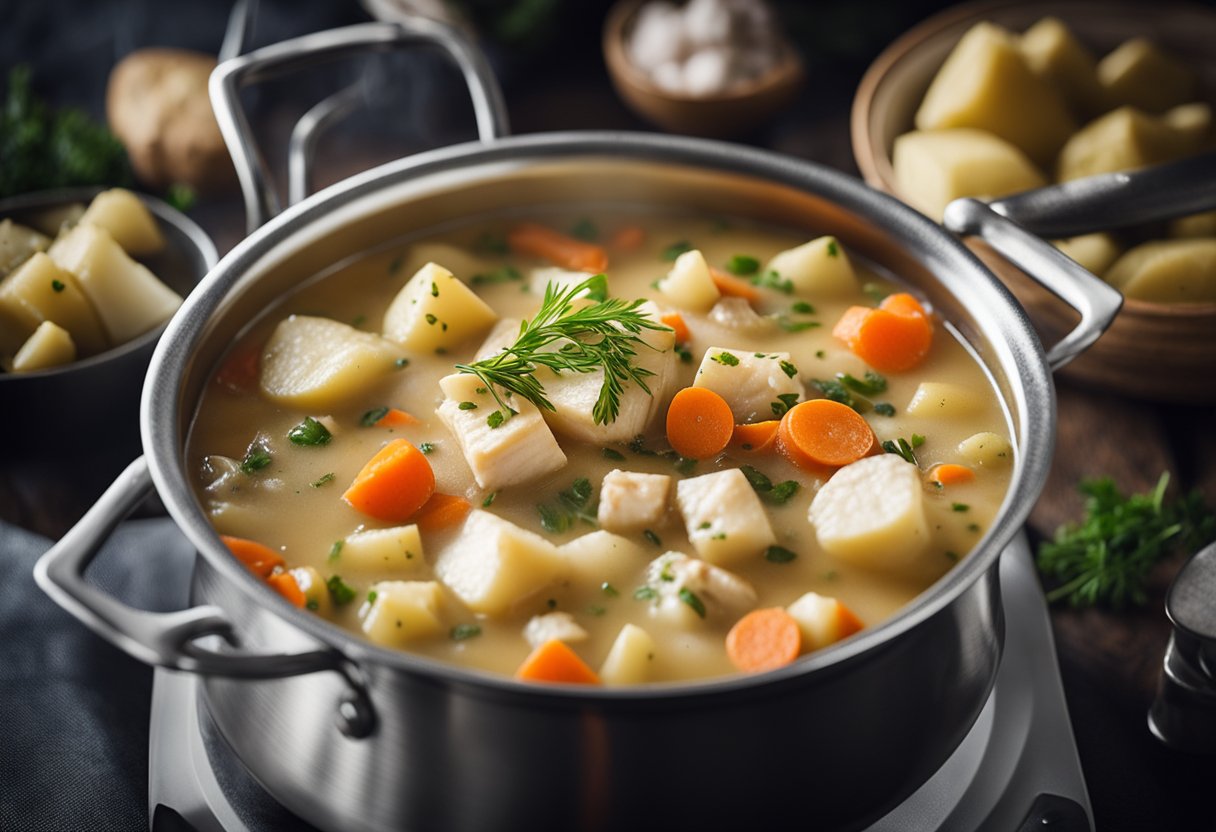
{"x":599,"y":336}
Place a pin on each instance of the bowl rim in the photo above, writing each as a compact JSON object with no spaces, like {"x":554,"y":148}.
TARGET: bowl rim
{"x":787,"y":72}
{"x":876,"y":167}
{"x":1015,"y":346}
{"x":165,"y":213}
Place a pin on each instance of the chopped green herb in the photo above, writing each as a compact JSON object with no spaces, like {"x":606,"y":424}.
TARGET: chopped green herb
{"x":689,"y":597}
{"x":495,"y":419}
{"x":585,"y":230}
{"x":371,"y":417}
{"x":784,"y":402}
{"x":434,"y":289}
{"x":609,"y":590}
{"x":684,"y":353}
{"x":573,"y":504}
{"x":310,"y":432}
{"x":820,"y":354}
{"x":704,"y":526}
{"x":676,"y":249}
{"x":312,"y":604}
{"x":973,"y":527}
{"x":57,"y":285}
{"x":335,"y":551}
{"x":645,"y":593}
{"x":324,"y":479}
{"x":777,"y":494}
{"x":372,"y":595}
{"x":796,"y":326}
{"x":653,"y":538}
{"x":834,"y":390}
{"x":685,"y":466}
{"x":596,"y":609}
{"x":401,"y":363}
{"x":506,"y":274}
{"x":465,"y":631}
{"x":394,"y":266}
{"x":726,"y":359}
{"x":833,"y":249}
{"x":900,"y":448}
{"x":779,"y":554}
{"x":431,"y":319}
{"x":610,"y":453}
{"x":803,"y":308}
{"x":490,"y":243}
{"x":959,"y":507}
{"x":884,"y":409}
{"x":427,"y":447}
{"x":489,"y":500}
{"x":638,"y":445}
{"x":782,"y":492}
{"x":597,"y":287}
{"x":772,"y":279}
{"x":742,"y":264}
{"x":719,"y":536}
{"x":256,"y":458}
{"x":467,"y":406}
{"x":358,"y":320}
{"x":340,"y":590}
{"x":875,"y":291}
{"x":871,"y":385}
{"x":551,"y":603}
{"x":789,"y":369}
{"x":917,"y":440}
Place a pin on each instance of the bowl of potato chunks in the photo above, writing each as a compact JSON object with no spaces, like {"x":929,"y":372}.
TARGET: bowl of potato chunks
{"x":88,"y":279}
{"x":991,"y":99}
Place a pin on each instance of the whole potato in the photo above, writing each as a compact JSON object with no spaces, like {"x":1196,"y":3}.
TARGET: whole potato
{"x":157,"y":105}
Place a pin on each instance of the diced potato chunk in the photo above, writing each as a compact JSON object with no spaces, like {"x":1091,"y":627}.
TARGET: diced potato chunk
{"x":49,"y":346}
{"x":819,"y":267}
{"x":17,"y":244}
{"x":128,"y":220}
{"x":57,"y":220}
{"x":750,"y":382}
{"x":630,"y":659}
{"x":1095,"y":252}
{"x":1196,"y":225}
{"x":402,"y":612}
{"x":316,"y":593}
{"x":1055,"y":55}
{"x":822,"y":620}
{"x":48,"y":293}
{"x":871,"y":513}
{"x":522,"y":448}
{"x":941,"y":399}
{"x":559,"y":626}
{"x":395,"y":550}
{"x":435,"y":311}
{"x":127,"y":297}
{"x":500,"y":336}
{"x":986,"y":448}
{"x":689,"y":590}
{"x":1168,"y":271}
{"x":1123,"y":139}
{"x":987,"y":84}
{"x":1141,"y":75}
{"x":725,"y":520}
{"x":574,"y":394}
{"x":494,"y":564}
{"x":630,"y":501}
{"x":318,"y":364}
{"x":935,"y":167}
{"x":601,"y":557}
{"x":689,"y":285}
{"x":1192,"y":126}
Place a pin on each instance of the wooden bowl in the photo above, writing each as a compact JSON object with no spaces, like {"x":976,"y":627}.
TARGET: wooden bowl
{"x":1165,"y":352}
{"x":736,"y":111}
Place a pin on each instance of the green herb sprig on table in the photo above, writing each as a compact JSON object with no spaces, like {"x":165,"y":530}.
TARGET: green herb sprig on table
{"x":1107,"y":557}
{"x":603,"y":335}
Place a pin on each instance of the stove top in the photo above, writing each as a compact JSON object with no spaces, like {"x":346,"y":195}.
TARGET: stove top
{"x":1017,"y":769}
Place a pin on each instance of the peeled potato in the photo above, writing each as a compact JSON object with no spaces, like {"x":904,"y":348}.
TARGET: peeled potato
{"x":689,"y":285}
{"x":435,"y":311}
{"x":986,"y":448}
{"x":871,"y":513}
{"x":987,"y":84}
{"x":820,"y":267}
{"x":127,"y":219}
{"x":1141,"y":75}
{"x":943,"y":400}
{"x":1196,"y":225}
{"x":1055,"y":55}
{"x":17,"y":243}
{"x":1123,"y":139}
{"x":41,"y":291}
{"x":1168,"y":271}
{"x":630,"y":659}
{"x":1095,"y":252}
{"x":49,"y":346}
{"x":935,"y":167}
{"x":317,"y":364}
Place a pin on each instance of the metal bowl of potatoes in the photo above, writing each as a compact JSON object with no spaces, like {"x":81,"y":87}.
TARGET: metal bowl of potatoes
{"x":88,"y":279}
{"x":990,"y":99}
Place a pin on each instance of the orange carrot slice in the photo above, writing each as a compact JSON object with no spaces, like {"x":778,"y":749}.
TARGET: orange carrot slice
{"x":259,"y":558}
{"x":629,"y":238}
{"x":394,"y":483}
{"x":699,"y":423}
{"x":756,"y":438}
{"x":822,"y":432}
{"x":764,"y":640}
{"x":241,"y":368}
{"x":893,"y":338}
{"x":676,"y":321}
{"x":950,"y":474}
{"x":732,"y":287}
{"x":442,"y":511}
{"x":847,"y":622}
{"x":285,"y":584}
{"x":395,"y":418}
{"x":554,"y":661}
{"x":567,"y":252}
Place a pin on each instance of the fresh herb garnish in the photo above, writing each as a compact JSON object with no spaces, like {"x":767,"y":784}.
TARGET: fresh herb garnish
{"x":884,"y":409}
{"x":585,"y":230}
{"x":340,"y":590}
{"x":779,"y":554}
{"x":489,"y":500}
{"x":676,"y":249}
{"x":772,"y":279}
{"x":837,"y":392}
{"x":372,"y":595}
{"x":789,"y":369}
{"x":796,"y":326}
{"x":256,"y":458}
{"x":491,"y":243}
{"x":959,"y":507}
{"x":833,"y":249}
{"x":742,"y":265}
{"x":652,"y":537}
{"x":609,"y":590}
{"x":310,"y":432}
{"x":777,"y":494}
{"x":495,"y":419}
{"x":573,"y":504}
{"x":371,"y":417}
{"x":784,"y":402}
{"x":726,"y":359}
{"x":601,"y":336}
{"x":596,"y":609}
{"x":645,"y":593}
{"x":427,"y":448}
{"x":463,"y":631}
{"x":401,"y":363}
{"x":335,"y":551}
{"x":610,"y":453}
{"x":324,"y":479}
{"x":689,"y":597}
{"x":684,"y":353}
{"x":871,"y":385}
{"x":506,"y":274}
{"x":875,"y":291}
{"x":901,"y":448}
{"x":802,"y":308}
{"x":57,"y":285}
{"x":1106,"y":558}
{"x":917,"y":440}
{"x":467,"y":405}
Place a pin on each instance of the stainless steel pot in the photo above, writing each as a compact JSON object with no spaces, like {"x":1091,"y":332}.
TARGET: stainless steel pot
{"x":388,"y":740}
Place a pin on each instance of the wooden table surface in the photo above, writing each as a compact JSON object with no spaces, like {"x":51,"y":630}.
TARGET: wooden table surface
{"x":1110,"y":661}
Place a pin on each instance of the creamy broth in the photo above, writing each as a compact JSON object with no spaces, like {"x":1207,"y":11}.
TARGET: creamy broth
{"x":294,"y":504}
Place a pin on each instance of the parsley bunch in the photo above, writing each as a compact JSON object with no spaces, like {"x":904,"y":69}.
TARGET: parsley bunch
{"x":1107,"y":557}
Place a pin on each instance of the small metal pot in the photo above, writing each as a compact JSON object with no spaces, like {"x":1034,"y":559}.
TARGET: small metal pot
{"x":389,"y":740}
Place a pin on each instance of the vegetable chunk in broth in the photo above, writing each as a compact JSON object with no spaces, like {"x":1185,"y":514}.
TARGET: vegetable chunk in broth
{"x":610,"y":450}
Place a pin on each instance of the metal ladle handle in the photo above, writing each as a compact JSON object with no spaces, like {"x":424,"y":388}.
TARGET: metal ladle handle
{"x":261,"y":200}
{"x":170,"y":639}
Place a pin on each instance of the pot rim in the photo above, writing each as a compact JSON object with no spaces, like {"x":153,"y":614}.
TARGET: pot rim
{"x":1015,"y":347}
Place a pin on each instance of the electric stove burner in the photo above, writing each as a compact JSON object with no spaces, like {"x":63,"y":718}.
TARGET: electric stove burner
{"x":1017,"y":769}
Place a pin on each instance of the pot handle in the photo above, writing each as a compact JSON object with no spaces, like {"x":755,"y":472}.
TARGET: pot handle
{"x":170,"y":639}
{"x":261,"y":200}
{"x":1096,"y":301}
